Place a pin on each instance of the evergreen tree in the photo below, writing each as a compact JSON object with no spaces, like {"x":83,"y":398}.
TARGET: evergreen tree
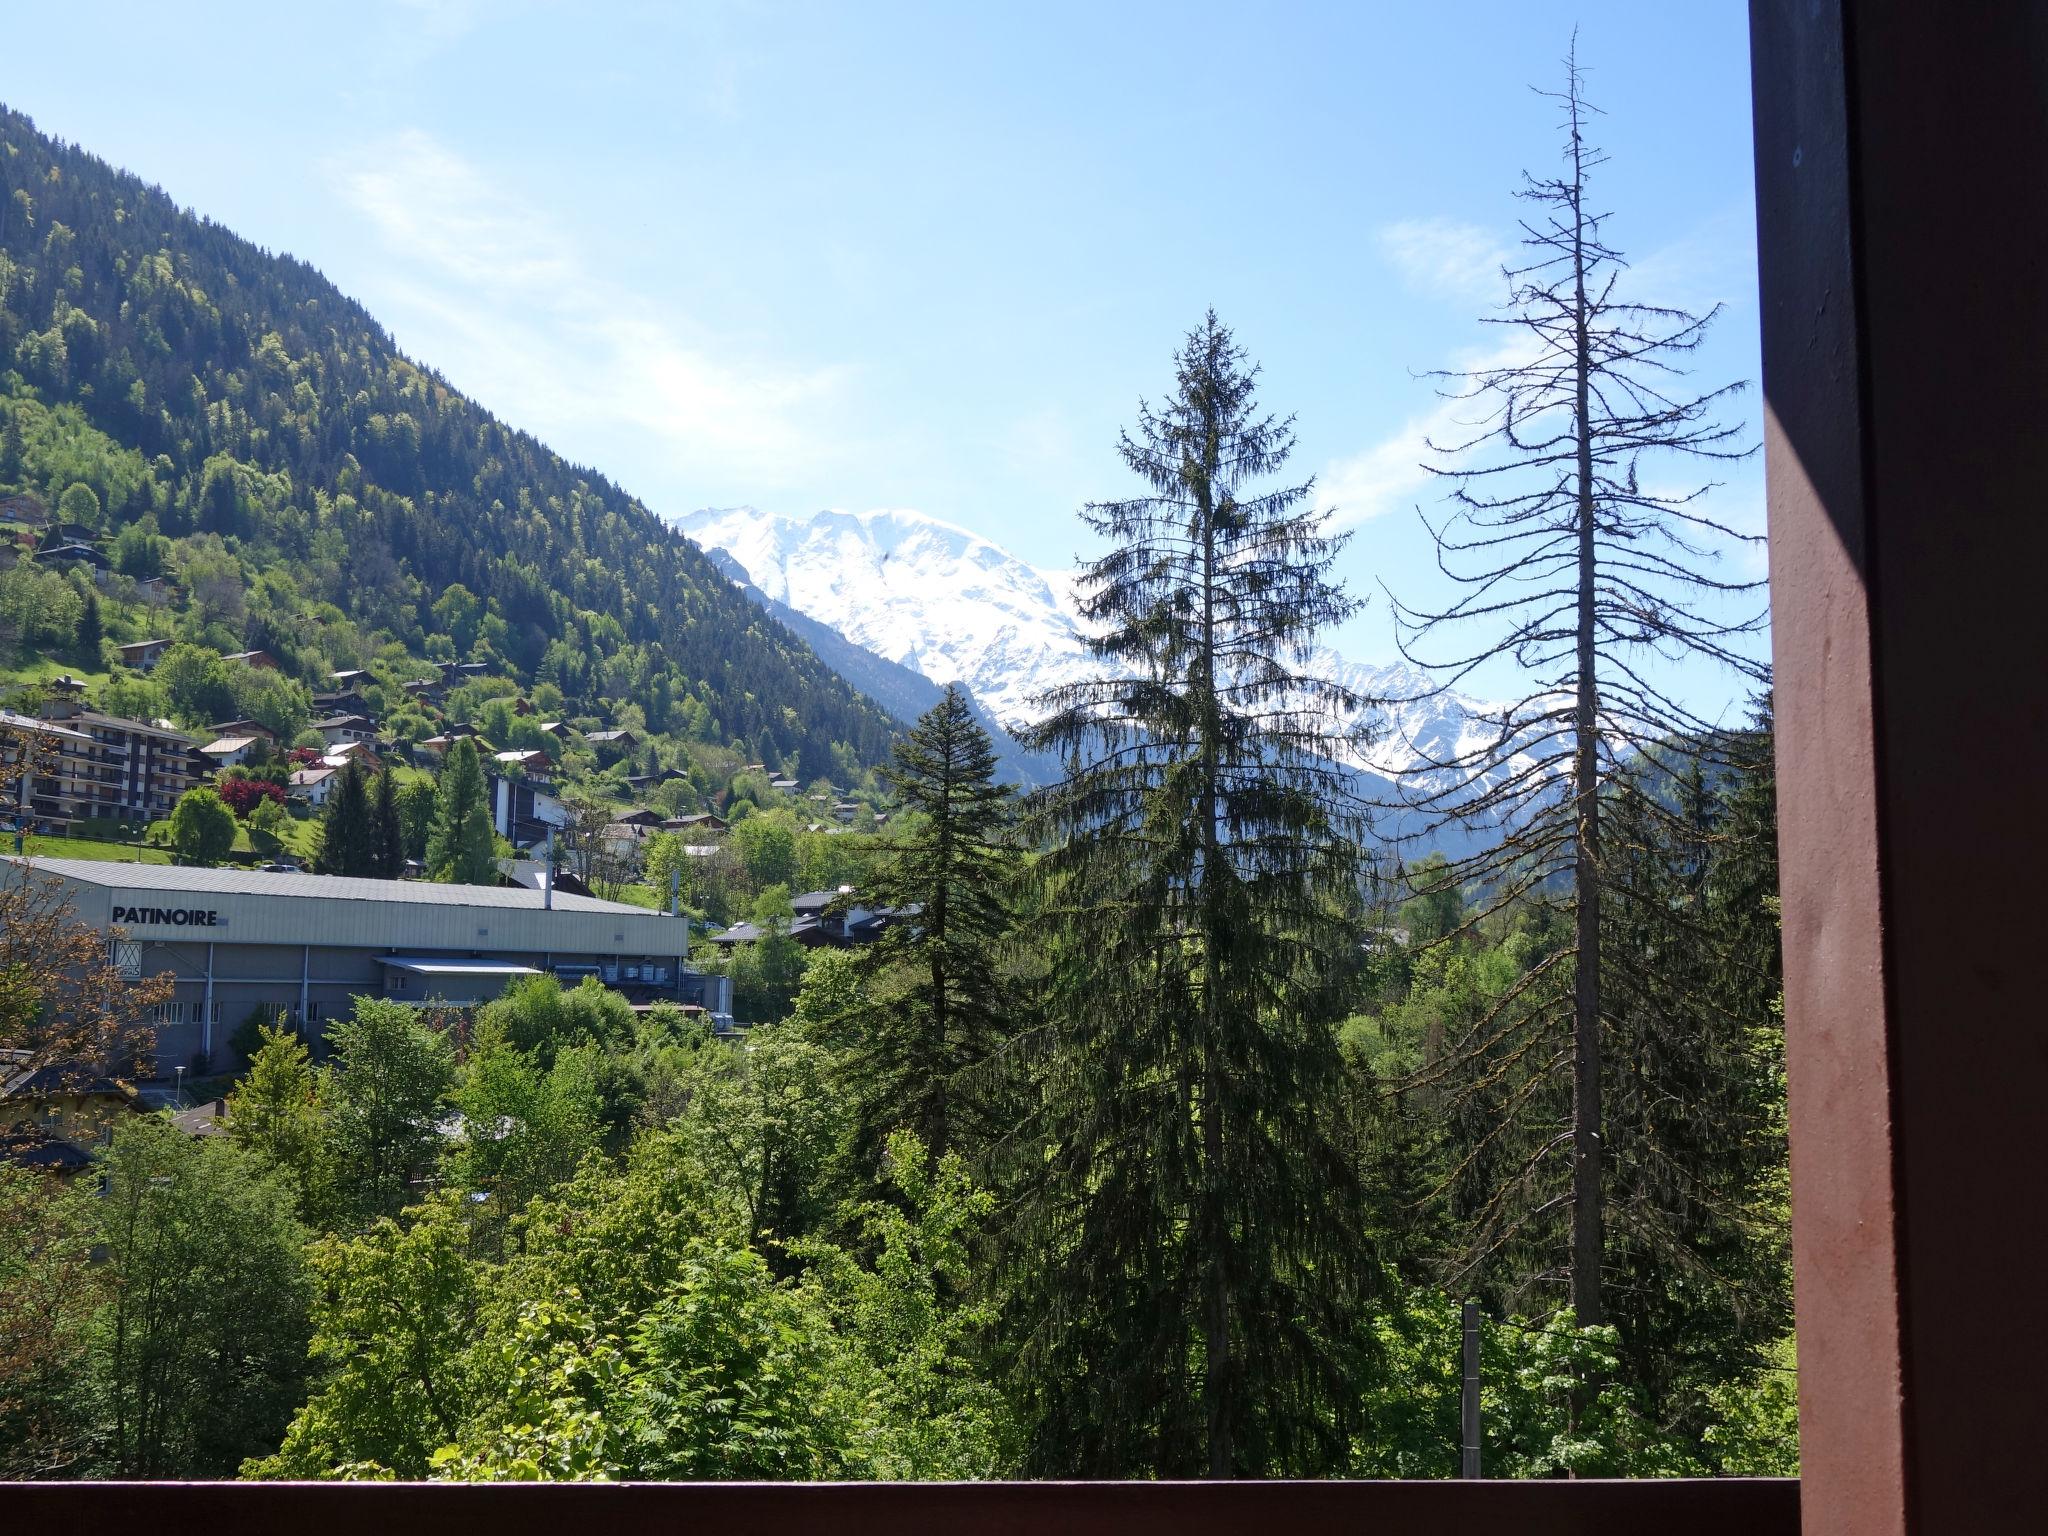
{"x":91,"y":631}
{"x":1695,"y":1247}
{"x":345,"y":832}
{"x":937,"y":1005}
{"x":387,"y":830}
{"x":10,"y":448}
{"x":1192,"y":1250}
{"x":460,"y":849}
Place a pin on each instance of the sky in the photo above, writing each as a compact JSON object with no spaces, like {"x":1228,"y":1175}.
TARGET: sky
{"x":931,"y":256}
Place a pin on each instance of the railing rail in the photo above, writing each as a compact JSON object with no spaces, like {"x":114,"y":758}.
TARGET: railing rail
{"x":1667,"y":1507}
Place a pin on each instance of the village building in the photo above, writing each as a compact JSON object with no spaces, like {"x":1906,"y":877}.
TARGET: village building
{"x":143,"y":655}
{"x":304,"y":946}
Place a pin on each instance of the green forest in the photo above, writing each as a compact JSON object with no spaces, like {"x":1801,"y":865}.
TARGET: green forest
{"x":1168,"y":1140}
{"x":225,"y":419}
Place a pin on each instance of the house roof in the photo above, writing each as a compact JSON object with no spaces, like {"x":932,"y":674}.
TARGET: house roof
{"x":308,"y":777}
{"x":227,"y":744}
{"x":20,"y":1081}
{"x":46,"y":1154}
{"x":611,"y":736}
{"x":250,"y":882}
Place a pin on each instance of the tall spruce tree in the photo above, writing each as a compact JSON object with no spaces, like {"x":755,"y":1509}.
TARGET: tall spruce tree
{"x":387,"y":829}
{"x":1579,"y":564}
{"x":460,"y":846}
{"x":1191,"y":1253}
{"x":346,"y":846}
{"x":90,"y":633}
{"x":937,"y":1005}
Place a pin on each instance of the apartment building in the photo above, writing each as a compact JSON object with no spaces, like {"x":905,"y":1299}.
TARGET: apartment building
{"x":89,"y":765}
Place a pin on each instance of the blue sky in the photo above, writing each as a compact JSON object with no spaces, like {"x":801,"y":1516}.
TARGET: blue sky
{"x":927,"y":255}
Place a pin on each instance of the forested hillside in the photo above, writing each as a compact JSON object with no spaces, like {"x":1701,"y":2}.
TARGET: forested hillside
{"x":329,"y":489}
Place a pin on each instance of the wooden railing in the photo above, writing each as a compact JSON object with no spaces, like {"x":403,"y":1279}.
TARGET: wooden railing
{"x":1724,"y":1507}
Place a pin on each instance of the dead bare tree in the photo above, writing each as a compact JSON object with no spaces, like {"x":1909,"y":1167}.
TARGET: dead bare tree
{"x":1575,"y":562}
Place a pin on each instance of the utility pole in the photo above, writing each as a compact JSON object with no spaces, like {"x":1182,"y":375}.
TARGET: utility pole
{"x":547,"y":882}
{"x":1468,"y":1397}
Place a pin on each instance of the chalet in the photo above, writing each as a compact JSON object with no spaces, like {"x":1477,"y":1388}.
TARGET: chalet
{"x":556,"y":728}
{"x":349,"y":701}
{"x":339,"y":730}
{"x":65,"y":687}
{"x":785,"y":784}
{"x":246,"y":728}
{"x":143,"y":655}
{"x":342,"y":753}
{"x":825,"y":919}
{"x":26,"y":509}
{"x":612,"y":744}
{"x":526,"y":760}
{"x":230,"y":751}
{"x":645,"y":781}
{"x":421,"y":688}
{"x":702,"y":821}
{"x":351,"y":677}
{"x":313,"y":785}
{"x":261,"y":659}
{"x":75,"y":554}
{"x":71,"y":533}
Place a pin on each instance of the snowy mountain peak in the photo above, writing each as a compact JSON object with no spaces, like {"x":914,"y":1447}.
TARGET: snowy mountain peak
{"x":948,"y":603}
{"x":924,"y":593}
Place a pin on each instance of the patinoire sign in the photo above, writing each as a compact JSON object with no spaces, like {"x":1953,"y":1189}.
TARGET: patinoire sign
{"x":171,"y":917}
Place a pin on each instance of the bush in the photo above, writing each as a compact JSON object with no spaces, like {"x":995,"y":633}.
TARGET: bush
{"x":244,"y":794}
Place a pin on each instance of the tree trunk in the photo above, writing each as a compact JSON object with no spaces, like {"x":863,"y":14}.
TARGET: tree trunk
{"x":1587,"y":1241}
{"x":1216,"y":1382}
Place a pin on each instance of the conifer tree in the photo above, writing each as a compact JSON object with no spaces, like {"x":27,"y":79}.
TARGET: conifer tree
{"x":91,"y":631}
{"x":1191,"y":1252}
{"x":936,"y":1002}
{"x":1579,"y":563}
{"x":1695,"y":1246}
{"x":345,"y":833}
{"x":387,"y":829}
{"x":460,"y":848}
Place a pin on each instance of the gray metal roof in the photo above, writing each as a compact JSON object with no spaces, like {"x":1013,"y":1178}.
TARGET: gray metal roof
{"x":428,"y":966}
{"x":250,"y":882}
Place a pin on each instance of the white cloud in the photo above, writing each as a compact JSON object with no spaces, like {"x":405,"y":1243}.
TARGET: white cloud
{"x":518,"y":315}
{"x":1445,"y":257}
{"x":1388,"y":476}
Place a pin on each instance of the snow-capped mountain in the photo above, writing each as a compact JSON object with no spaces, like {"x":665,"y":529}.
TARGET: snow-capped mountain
{"x":957,"y":608}
{"x":915,"y":591}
